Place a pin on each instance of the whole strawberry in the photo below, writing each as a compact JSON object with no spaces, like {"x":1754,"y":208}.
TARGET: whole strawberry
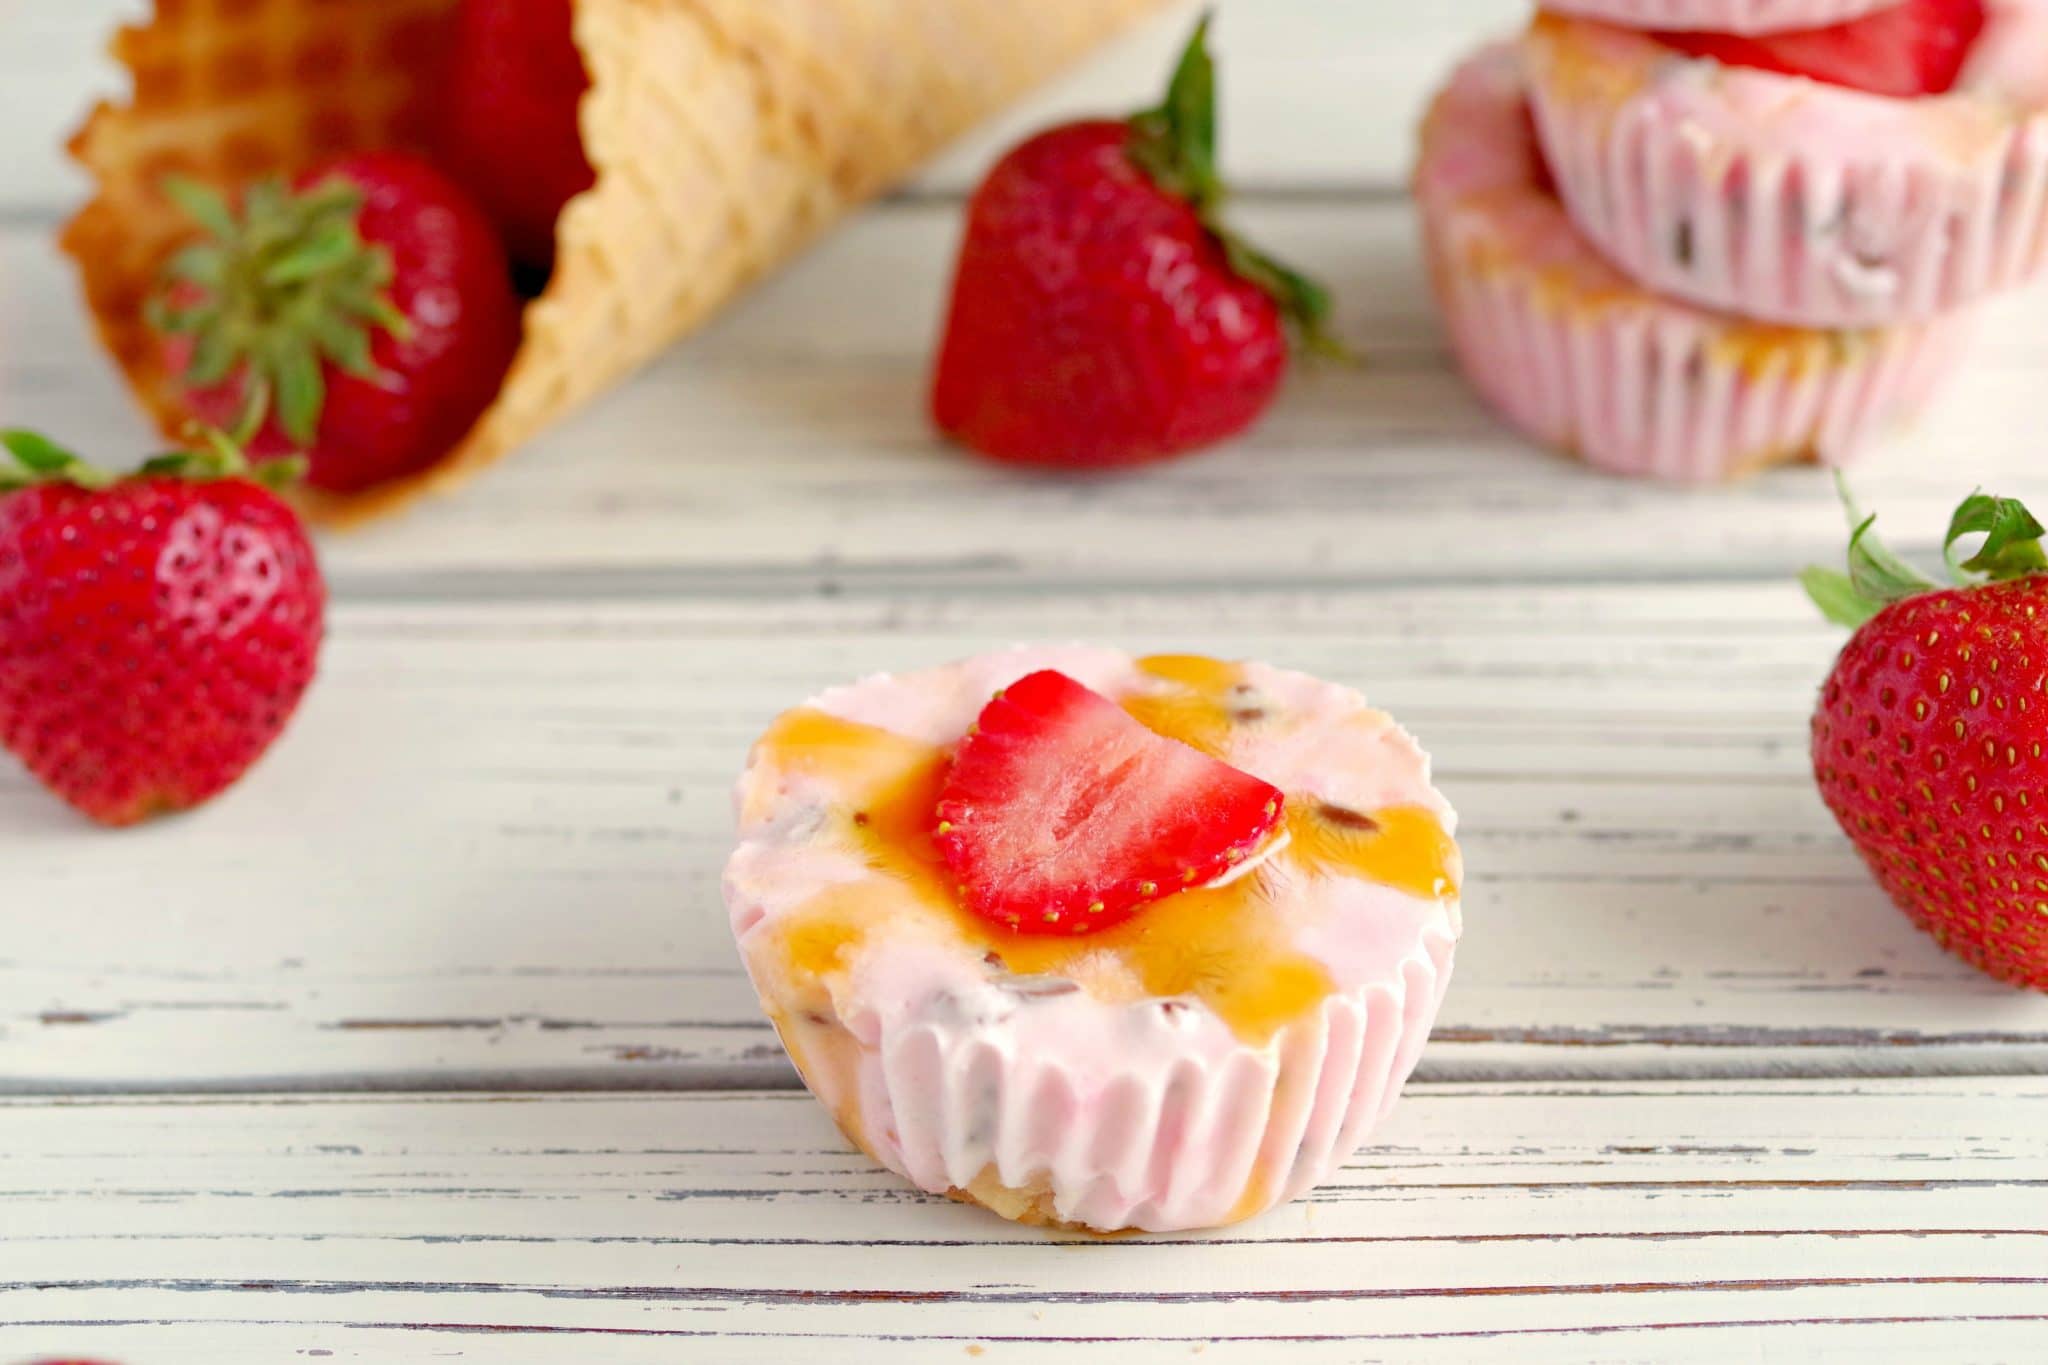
{"x":156,"y":631}
{"x":1930,"y":743}
{"x":1101,"y":315}
{"x":509,"y":122}
{"x":364,"y":316}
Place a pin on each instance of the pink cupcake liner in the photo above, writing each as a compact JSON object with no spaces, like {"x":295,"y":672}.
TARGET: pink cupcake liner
{"x":1211,"y":1140}
{"x":1722,"y":16}
{"x":1787,"y":200}
{"x":1579,"y":357}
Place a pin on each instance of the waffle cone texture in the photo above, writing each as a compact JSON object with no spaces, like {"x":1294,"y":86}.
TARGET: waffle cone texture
{"x":726,"y":135}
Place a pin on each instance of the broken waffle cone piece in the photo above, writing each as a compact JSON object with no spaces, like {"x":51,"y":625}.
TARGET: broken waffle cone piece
{"x":726,"y":134}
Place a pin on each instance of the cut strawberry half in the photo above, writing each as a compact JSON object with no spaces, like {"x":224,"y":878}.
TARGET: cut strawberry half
{"x":1063,"y":815}
{"x":1914,"y":48}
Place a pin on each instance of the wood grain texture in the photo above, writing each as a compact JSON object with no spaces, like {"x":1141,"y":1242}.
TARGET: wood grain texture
{"x":1503,"y":1222}
{"x":788,"y":448}
{"x":488,"y":854}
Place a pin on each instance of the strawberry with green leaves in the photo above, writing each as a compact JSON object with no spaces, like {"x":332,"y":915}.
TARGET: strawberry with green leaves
{"x":1930,"y":743}
{"x":1102,"y":315}
{"x":157,"y":630}
{"x":363,"y":316}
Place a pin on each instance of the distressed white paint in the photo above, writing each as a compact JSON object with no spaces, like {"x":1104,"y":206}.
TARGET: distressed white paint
{"x":491,"y":847}
{"x":790,"y":442}
{"x":1522,"y":1222}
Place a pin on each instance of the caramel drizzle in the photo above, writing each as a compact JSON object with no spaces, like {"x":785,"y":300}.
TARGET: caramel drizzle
{"x":1220,"y":945}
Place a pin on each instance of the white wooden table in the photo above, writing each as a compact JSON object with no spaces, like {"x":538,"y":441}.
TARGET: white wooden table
{"x":429,"y":1041}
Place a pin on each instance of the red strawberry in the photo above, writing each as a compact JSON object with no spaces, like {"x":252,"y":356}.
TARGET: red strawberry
{"x":156,"y":631}
{"x":365,"y":316}
{"x":1063,"y":815}
{"x":1914,"y":48}
{"x":1931,"y":740}
{"x":1100,"y":314}
{"x":509,"y":127}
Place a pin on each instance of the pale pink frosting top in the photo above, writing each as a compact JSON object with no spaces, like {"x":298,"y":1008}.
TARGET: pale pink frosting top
{"x":913,"y":969}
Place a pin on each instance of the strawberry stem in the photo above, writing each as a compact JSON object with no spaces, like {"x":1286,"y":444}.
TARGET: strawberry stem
{"x":1305,"y":301}
{"x":1876,"y":577}
{"x":214,"y":455}
{"x":255,"y":407}
{"x":1175,"y":144}
{"x":2012,"y":539}
{"x":1877,"y":573}
{"x":41,"y":460}
{"x":277,"y":291}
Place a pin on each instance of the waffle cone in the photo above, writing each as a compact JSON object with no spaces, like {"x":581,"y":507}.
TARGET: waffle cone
{"x":727,"y":134}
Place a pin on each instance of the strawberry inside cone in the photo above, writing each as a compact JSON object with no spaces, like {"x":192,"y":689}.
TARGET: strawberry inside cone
{"x":1913,"y":49}
{"x":508,"y":126}
{"x":1064,"y":815}
{"x":363,"y":316}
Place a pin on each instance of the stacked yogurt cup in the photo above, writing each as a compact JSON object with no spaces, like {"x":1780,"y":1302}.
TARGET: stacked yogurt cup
{"x":1663,"y":246}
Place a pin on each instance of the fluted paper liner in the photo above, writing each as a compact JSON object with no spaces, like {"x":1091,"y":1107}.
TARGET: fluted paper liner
{"x":726,"y":134}
{"x":1583,"y":359}
{"x":958,"y":1116}
{"x":1793,"y":201}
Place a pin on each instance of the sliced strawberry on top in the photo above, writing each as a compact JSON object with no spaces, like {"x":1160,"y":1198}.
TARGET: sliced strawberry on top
{"x":1914,"y":48}
{"x":1063,"y":815}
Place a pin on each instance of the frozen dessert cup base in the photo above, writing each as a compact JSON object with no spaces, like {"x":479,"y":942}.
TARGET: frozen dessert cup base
{"x":1213,"y":1144}
{"x":1580,"y":357}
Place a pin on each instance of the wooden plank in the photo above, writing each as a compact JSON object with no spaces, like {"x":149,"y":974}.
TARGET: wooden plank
{"x":803,"y":412}
{"x":488,"y":853}
{"x":1316,"y":95}
{"x":1910,"y":1339}
{"x":1487,"y":1222}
